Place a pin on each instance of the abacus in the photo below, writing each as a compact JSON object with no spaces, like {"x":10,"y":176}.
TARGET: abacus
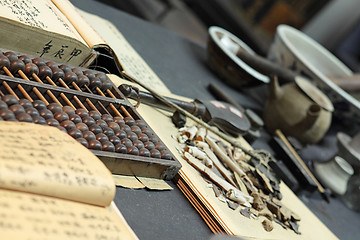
{"x":85,"y":104}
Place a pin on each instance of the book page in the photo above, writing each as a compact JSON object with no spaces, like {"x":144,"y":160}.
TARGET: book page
{"x":38,"y":28}
{"x":38,"y":13}
{"x":44,"y":160}
{"x":33,"y":217}
{"x":126,"y":55}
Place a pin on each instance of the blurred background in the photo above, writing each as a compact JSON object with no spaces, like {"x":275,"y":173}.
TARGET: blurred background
{"x":335,"y":24}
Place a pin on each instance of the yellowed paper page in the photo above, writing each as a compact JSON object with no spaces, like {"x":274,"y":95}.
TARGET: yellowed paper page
{"x":127,"y":181}
{"x":155,"y":184}
{"x":27,"y":216}
{"x":83,"y":28}
{"x":232,"y":221}
{"x":44,"y":160}
{"x":38,"y":28}
{"x":127,"y":56}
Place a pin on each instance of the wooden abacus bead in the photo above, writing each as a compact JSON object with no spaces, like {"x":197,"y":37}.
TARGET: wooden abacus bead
{"x":139,"y":144}
{"x":81,"y":112}
{"x":154,"y":153}
{"x":119,"y":121}
{"x":95,"y":145}
{"x":114,"y":139}
{"x":133,"y":150}
{"x":61,"y":116}
{"x":3,"y":105}
{"x":65,"y":68}
{"x":95,"y":129}
{"x":89,"y":121}
{"x":132,"y":136}
{"x":83,"y":81}
{"x":105,"y":81}
{"x":120,"y":134}
{"x":39,"y":62}
{"x":89,"y":136}
{"x":101,"y":137}
{"x":127,"y":142}
{"x":70,"y":77}
{"x":75,"y":133}
{"x":135,"y":129}
{"x":54,"y":108}
{"x":52,"y":122}
{"x":62,"y":129}
{"x":39,"y":120}
{"x":94,"y":83}
{"x":144,"y":152}
{"x":7,"y":114}
{"x":39,"y":105}
{"x":160,"y":146}
{"x":75,"y":118}
{"x":26,"y":59}
{"x":121,"y":148}
{"x":11,"y":55}
{"x":113,"y":125}
{"x":17,"y":109}
{"x":69,"y":110}
{"x":51,"y":64}
{"x":83,"y":142}
{"x":108,"y":131}
{"x":31,"y":68}
{"x":57,"y":73}
{"x":149,"y":145}
{"x":166,"y":155}
{"x":107,"y":118}
{"x":77,"y":71}
{"x":108,"y":146}
{"x":143,"y":137}
{"x":33,"y":112}
{"x":44,"y":71}
{"x":24,"y":117}
{"x":82,"y":127}
{"x":89,"y":73}
{"x":25,"y":103}
{"x":126,"y":128}
{"x":10,"y":100}
{"x":129,"y":121}
{"x":101,"y":123}
{"x":4,"y":61}
{"x":68,"y":124}
{"x":95,"y":115}
{"x":46,"y":114}
{"x":140,"y":123}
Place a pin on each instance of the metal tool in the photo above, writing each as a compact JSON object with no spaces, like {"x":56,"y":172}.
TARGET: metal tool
{"x":216,"y":113}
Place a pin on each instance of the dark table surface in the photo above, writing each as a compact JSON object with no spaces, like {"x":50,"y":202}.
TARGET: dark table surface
{"x":181,"y":64}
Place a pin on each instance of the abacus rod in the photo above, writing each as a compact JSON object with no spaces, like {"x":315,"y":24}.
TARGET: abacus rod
{"x":9,"y":89}
{"x":52,"y":96}
{"x":87,"y":100}
{"x":35,"y":90}
{"x":110,"y":104}
{"x":62,"y":95}
{"x":101,"y":105}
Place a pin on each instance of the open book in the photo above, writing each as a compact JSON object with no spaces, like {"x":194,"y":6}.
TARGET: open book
{"x":55,"y":30}
{"x":51,"y":187}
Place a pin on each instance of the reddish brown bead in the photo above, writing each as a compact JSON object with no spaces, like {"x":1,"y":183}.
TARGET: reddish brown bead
{"x":133,"y":150}
{"x":30,"y":69}
{"x":54,"y":108}
{"x":144,"y":152}
{"x":95,"y":115}
{"x":120,"y":148}
{"x":101,"y":123}
{"x":39,"y":62}
{"x":46,"y":114}
{"x":4,"y":61}
{"x":6,"y":114}
{"x":119,"y":121}
{"x":24,"y":117}
{"x":25,"y":103}
{"x":52,"y":122}
{"x":113,"y":125}
{"x":127,"y":142}
{"x":115,"y":140}
{"x":83,"y":81}
{"x":95,"y":145}
{"x":33,"y":112}
{"x":70,"y":77}
{"x":155,"y":153}
{"x":120,"y":134}
{"x":166,"y":155}
{"x":83,"y":142}
{"x":10,"y":100}
{"x":107,"y":118}
{"x":108,"y":131}
{"x":44,"y":71}
{"x":17,"y":109}
{"x":149,"y":145}
{"x":61,"y":116}
{"x":88,"y":135}
{"x":75,"y":118}
{"x":75,"y":133}
{"x":25,"y":59}
{"x":143,"y":137}
{"x":81,"y":112}
{"x":68,"y":124}
{"x":69,"y":110}
{"x":39,"y":105}
{"x":95,"y":129}
{"x":39,"y":120}
{"x":65,"y":68}
{"x":88,"y":121}
{"x":129,"y":121}
{"x":139,"y":144}
{"x":132,"y":136}
{"x":57,"y":73}
{"x":82,"y":127}
{"x":108,"y":146}
{"x":101,"y":137}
